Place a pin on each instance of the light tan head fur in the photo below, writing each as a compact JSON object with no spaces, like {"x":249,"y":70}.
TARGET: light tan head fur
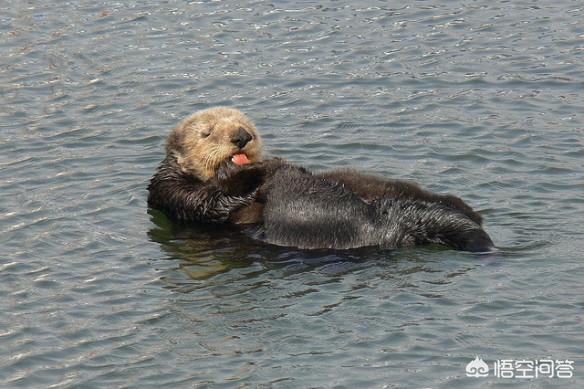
{"x":202,"y":141}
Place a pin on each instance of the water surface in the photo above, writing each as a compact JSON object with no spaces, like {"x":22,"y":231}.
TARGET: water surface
{"x":482,"y":99}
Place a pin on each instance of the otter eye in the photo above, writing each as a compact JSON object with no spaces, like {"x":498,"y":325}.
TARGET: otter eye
{"x":206,"y":133}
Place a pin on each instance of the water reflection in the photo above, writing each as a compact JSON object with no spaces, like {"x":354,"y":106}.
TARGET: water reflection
{"x":207,"y":251}
{"x":202,"y":253}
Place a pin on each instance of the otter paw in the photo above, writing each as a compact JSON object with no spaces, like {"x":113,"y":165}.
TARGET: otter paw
{"x":239,"y":180}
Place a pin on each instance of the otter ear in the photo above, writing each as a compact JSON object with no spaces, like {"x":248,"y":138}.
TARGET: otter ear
{"x":175,"y":141}
{"x":172,"y":143}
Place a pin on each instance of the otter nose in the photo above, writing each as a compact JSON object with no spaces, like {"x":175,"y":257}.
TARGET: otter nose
{"x":241,"y":138}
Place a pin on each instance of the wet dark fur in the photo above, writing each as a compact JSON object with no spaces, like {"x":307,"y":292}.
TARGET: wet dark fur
{"x":186,"y":198}
{"x":370,"y":188}
{"x":330,"y":210}
{"x":315,"y":211}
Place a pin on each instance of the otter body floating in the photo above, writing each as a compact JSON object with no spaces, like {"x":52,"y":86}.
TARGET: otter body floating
{"x":214,"y":173}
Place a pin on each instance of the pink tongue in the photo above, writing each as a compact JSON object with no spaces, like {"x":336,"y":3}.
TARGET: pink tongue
{"x":240,"y":159}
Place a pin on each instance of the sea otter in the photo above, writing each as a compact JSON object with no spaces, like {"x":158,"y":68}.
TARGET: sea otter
{"x":214,"y":173}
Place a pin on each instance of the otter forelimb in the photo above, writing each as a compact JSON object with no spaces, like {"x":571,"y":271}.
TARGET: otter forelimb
{"x":185,"y":198}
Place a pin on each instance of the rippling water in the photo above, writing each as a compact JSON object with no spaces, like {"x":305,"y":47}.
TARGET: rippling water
{"x":482,"y":99}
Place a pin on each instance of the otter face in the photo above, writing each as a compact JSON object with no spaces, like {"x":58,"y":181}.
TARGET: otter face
{"x":204,"y":140}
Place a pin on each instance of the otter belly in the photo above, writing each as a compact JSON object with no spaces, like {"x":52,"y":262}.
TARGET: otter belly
{"x":312,"y":212}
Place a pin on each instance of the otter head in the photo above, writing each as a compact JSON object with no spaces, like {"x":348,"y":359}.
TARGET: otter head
{"x":206,"y":139}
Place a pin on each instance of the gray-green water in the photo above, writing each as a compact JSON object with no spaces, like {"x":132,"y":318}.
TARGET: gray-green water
{"x":479,"y":98}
